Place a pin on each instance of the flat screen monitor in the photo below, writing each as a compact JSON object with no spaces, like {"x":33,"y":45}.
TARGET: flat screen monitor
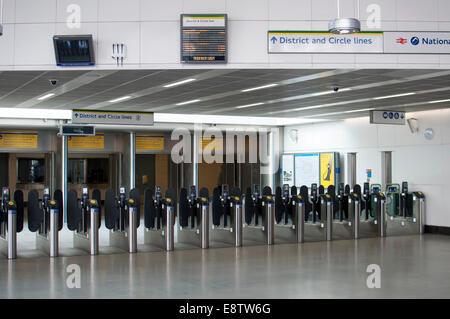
{"x":74,"y":50}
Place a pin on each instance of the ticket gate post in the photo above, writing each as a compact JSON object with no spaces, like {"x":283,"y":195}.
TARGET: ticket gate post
{"x":354,"y":213}
{"x":159,"y":216}
{"x":46,"y":219}
{"x":379,"y":209}
{"x":226,"y":206}
{"x":122,"y":218}
{"x":83,"y":217}
{"x":11,"y":218}
{"x":290,"y":215}
{"x":259,"y":216}
{"x":405,"y":211}
{"x":193,"y":228}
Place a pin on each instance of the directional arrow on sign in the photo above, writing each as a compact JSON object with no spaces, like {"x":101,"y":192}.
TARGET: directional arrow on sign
{"x":273,"y":39}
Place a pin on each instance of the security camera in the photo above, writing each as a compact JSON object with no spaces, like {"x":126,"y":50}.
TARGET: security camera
{"x":53,"y":82}
{"x":335,"y":89}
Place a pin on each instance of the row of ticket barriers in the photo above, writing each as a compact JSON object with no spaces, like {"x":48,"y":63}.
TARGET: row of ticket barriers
{"x":229,"y":217}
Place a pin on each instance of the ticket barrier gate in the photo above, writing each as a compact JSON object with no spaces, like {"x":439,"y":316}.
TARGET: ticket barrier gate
{"x":259,"y":223}
{"x":227,"y":222}
{"x":289,"y":215}
{"x":122,"y":218}
{"x":342,"y":224}
{"x":369,"y":218}
{"x":45,"y":218}
{"x":318,"y":214}
{"x":405,"y":211}
{"x":83,"y":218}
{"x":159,"y":218}
{"x":11,"y":221}
{"x":193,"y":222}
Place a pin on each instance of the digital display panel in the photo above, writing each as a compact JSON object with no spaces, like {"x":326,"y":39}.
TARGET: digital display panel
{"x":74,"y":50}
{"x":203,"y":38}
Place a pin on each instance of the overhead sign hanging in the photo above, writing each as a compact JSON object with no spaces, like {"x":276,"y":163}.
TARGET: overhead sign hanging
{"x":324,"y":42}
{"x":112,"y":117}
{"x":387,"y":117}
{"x":203,"y":38}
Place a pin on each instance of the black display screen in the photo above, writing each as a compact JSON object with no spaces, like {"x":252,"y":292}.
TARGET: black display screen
{"x":204,"y":38}
{"x":74,"y":50}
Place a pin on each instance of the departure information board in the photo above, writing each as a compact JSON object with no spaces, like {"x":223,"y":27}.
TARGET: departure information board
{"x":203,"y":38}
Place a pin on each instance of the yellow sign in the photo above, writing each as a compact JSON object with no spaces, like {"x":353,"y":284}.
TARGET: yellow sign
{"x":91,"y":142}
{"x":149,"y":143}
{"x":326,"y":169}
{"x":210,"y":144}
{"x":16,"y":139}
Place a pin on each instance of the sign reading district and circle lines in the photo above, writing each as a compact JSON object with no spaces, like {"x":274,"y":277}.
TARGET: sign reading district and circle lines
{"x":383,"y":42}
{"x":112,"y":117}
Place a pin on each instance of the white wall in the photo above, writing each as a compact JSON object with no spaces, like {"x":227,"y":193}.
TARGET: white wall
{"x":150,"y":29}
{"x":423,"y":163}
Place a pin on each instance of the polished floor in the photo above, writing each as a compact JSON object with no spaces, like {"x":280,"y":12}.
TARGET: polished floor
{"x":411,"y":267}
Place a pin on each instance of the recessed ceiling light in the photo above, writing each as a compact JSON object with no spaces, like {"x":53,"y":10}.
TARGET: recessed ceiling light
{"x":248,"y":105}
{"x":179,"y":83}
{"x":439,"y":101}
{"x":188,"y":102}
{"x":392,"y":96}
{"x":260,"y":87}
{"x":46,"y":96}
{"x":120,"y":99}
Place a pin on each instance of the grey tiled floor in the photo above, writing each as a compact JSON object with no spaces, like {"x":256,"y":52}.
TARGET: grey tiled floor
{"x":411,"y":266}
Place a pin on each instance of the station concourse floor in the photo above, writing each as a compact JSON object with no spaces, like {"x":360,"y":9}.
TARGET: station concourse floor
{"x":411,"y":267}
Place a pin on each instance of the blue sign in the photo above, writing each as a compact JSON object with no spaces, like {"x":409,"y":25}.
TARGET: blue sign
{"x":415,"y":40}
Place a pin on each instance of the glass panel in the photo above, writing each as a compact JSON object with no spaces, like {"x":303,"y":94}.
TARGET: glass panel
{"x":97,"y":170}
{"x":75,"y":172}
{"x":30,"y":170}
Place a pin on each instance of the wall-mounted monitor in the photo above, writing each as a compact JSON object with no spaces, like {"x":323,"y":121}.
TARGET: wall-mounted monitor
{"x":74,"y":50}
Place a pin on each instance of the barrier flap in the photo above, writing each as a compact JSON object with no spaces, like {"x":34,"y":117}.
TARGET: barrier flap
{"x":217,"y":207}
{"x":134,"y":194}
{"x":184,"y":208}
{"x":249,"y":207}
{"x":293,"y":190}
{"x":111,"y":209}
{"x":73,"y":210}
{"x":58,"y":197}
{"x":35,"y":214}
{"x":18,"y":198}
{"x":279,"y":207}
{"x":149,"y":209}
{"x":96,"y":194}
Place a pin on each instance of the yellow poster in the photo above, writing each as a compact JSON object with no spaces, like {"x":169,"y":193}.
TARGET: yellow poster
{"x":326,"y":169}
{"x":149,"y":143}
{"x":18,"y":139}
{"x":90,"y":142}
{"x":209,"y":144}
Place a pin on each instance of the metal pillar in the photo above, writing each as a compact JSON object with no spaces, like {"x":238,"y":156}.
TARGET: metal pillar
{"x":132,"y":160}
{"x":64,"y":156}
